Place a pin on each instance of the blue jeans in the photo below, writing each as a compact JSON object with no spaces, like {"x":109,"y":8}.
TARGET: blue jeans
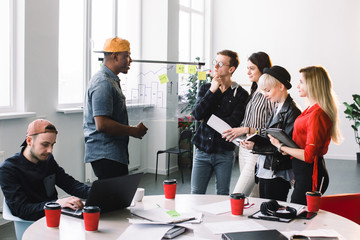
{"x":203,"y":167}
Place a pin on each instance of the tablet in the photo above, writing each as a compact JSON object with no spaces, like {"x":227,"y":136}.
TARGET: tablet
{"x":280,"y":134}
{"x":257,"y":139}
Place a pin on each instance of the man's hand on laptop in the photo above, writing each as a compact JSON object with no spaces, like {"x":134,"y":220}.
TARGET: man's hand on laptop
{"x":71,"y":202}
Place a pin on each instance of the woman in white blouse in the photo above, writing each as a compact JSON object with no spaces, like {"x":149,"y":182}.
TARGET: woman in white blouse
{"x":257,"y":112}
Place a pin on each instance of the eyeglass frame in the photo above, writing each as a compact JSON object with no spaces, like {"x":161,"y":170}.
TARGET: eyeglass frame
{"x":220,"y":63}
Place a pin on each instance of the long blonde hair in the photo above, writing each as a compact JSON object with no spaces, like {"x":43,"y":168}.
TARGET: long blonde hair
{"x":319,"y":88}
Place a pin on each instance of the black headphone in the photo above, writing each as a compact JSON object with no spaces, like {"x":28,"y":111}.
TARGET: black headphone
{"x":271,"y":207}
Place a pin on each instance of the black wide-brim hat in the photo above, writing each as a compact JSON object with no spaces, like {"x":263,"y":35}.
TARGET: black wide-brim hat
{"x":281,"y":74}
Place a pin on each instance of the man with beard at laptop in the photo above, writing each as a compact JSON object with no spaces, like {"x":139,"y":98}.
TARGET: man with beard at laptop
{"x":29,"y":177}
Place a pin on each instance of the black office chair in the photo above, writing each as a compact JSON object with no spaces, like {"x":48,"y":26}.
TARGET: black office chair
{"x":184,"y":135}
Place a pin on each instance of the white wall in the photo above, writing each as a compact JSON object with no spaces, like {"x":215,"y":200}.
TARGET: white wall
{"x":40,"y":76}
{"x":296,"y":34}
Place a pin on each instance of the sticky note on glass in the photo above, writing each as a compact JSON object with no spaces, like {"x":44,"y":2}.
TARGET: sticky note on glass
{"x":180,"y":68}
{"x":202,"y":75}
{"x":192,"y":69}
{"x":163,"y":78}
{"x":173,"y":213}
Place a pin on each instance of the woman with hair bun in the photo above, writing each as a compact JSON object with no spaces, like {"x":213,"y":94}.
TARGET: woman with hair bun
{"x":257,"y":112}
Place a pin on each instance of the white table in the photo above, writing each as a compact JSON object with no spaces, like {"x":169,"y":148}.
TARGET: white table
{"x":113,"y":224}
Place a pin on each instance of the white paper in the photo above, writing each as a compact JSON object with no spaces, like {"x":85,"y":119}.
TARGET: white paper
{"x":139,"y":231}
{"x":314,"y":233}
{"x":160,"y":215}
{"x":221,"y":126}
{"x":216,"y":208}
{"x":234,"y":226}
{"x":299,"y":208}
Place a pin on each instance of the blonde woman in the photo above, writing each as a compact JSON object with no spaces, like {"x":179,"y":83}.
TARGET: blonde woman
{"x":313,"y":131}
{"x":257,"y":112}
{"x":274,"y":169}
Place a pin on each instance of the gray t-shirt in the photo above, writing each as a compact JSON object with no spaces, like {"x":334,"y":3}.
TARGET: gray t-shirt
{"x":105,"y":98}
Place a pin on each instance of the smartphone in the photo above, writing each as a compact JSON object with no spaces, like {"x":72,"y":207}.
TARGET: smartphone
{"x":307,"y":215}
{"x":174,"y":232}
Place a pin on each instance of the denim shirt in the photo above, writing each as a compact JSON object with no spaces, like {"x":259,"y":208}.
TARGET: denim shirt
{"x":105,"y":98}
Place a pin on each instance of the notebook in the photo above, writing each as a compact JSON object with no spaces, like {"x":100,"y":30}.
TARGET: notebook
{"x":282,"y":137}
{"x":109,"y":194}
{"x":272,"y":234}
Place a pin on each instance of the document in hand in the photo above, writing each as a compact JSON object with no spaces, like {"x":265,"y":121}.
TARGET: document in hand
{"x":221,"y":126}
{"x":164,"y":216}
{"x":280,"y":134}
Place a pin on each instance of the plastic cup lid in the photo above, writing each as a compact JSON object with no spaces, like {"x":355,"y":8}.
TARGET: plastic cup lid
{"x":313,"y":193}
{"x":52,"y":205}
{"x":170,"y":181}
{"x":237,"y":195}
{"x":91,"y":209}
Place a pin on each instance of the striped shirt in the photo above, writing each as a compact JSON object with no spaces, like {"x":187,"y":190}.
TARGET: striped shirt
{"x":257,"y":112}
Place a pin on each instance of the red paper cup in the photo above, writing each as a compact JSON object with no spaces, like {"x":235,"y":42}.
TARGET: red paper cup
{"x":237,"y":201}
{"x":313,"y":201}
{"x":170,"y":188}
{"x":91,"y":216}
{"x":52,"y":213}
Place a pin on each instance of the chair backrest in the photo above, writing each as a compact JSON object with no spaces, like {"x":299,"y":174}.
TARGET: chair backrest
{"x":7,"y":215}
{"x":345,"y":205}
{"x":20,"y":224}
{"x":185,"y":135}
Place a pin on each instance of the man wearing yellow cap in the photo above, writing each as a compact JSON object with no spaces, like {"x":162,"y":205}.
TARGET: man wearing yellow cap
{"x":106,"y":124}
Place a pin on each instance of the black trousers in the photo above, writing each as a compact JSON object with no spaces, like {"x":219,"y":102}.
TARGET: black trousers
{"x":303,"y":179}
{"x":105,"y":168}
{"x":277,"y":188}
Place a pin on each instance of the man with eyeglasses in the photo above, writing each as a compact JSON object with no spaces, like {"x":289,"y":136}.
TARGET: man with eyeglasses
{"x":227,"y":100}
{"x":106,"y":123}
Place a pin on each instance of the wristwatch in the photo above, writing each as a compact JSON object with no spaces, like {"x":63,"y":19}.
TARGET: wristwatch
{"x":279,"y":147}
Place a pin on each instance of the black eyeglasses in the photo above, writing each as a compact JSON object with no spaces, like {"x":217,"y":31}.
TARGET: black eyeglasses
{"x":220,"y":64}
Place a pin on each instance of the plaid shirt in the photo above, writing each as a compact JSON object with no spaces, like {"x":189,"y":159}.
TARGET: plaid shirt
{"x":229,"y":106}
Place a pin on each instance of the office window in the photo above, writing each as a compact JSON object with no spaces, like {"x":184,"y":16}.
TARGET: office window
{"x":91,"y":23}
{"x":191,"y":37}
{"x":71,"y":53}
{"x":6,"y":94}
{"x":191,"y":29}
{"x":102,"y":26}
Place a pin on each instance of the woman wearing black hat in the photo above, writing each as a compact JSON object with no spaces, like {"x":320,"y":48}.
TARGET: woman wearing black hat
{"x":274,"y":169}
{"x":258,"y":110}
{"x":313,"y":130}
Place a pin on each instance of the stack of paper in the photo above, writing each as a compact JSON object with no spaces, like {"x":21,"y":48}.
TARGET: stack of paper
{"x":163,"y":216}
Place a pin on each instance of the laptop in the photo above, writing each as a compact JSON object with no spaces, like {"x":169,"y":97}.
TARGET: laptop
{"x":109,"y":194}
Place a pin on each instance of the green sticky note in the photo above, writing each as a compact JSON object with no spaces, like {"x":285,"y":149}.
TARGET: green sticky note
{"x":163,"y":78}
{"x":192,"y":69}
{"x":202,"y":75}
{"x":180,"y":68}
{"x":173,"y":213}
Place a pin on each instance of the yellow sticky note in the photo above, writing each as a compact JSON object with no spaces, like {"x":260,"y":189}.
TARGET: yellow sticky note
{"x":192,"y":69}
{"x":202,"y":75}
{"x":163,"y":78}
{"x":180,"y":68}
